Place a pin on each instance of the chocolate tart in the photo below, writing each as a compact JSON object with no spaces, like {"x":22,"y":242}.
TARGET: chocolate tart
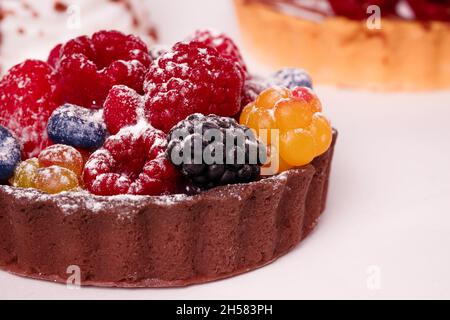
{"x":167,"y":241}
{"x":403,"y":55}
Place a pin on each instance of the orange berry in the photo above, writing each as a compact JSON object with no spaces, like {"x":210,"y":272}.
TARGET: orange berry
{"x":62,"y":156}
{"x":24,"y":174}
{"x":55,"y":179}
{"x":293,"y":114}
{"x":243,"y":118}
{"x":322,"y":133}
{"x":269,"y":97}
{"x":262,"y":122}
{"x":307,"y":95}
{"x":297,"y":147}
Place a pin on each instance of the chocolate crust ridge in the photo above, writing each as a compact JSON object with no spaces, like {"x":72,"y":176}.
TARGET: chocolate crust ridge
{"x":170,"y":241}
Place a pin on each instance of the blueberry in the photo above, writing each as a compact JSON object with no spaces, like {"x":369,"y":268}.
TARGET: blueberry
{"x":291,"y":78}
{"x":10,"y":154}
{"x":77,"y":127}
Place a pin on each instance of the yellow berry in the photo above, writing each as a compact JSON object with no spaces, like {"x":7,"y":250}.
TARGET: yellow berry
{"x":297,"y":147}
{"x":322,"y":133}
{"x":262,"y":122}
{"x":269,"y":97}
{"x":24,"y":173}
{"x":55,"y":179}
{"x":63,"y":156}
{"x":243,"y":119}
{"x":293,"y":114}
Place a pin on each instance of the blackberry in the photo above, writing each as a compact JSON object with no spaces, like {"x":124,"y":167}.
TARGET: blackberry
{"x":213,"y":151}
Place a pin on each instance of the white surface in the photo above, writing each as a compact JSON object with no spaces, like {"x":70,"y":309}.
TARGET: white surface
{"x":388,"y":210}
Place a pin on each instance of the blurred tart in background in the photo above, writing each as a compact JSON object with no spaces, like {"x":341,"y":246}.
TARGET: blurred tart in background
{"x":409,"y":51}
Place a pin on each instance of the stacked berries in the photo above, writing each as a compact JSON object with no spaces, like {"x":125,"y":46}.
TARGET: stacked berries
{"x":304,"y":133}
{"x":191,"y":77}
{"x":212,"y":151}
{"x":57,"y":169}
{"x":86,"y":68}
{"x":97,"y":113}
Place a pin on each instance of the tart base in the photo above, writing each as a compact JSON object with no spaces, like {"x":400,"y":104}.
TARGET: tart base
{"x":171,"y":241}
{"x":401,"y":56}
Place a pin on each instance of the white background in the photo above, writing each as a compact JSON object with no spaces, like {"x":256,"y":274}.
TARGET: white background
{"x":386,"y":232}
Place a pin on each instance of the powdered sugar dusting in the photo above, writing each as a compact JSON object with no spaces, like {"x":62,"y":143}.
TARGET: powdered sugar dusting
{"x":72,"y":202}
{"x":6,"y":146}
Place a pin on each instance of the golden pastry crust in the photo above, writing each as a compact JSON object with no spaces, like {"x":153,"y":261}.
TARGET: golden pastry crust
{"x":402,"y":55}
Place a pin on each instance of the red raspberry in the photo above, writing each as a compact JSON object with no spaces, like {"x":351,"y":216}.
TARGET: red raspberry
{"x":431,"y":10}
{"x":132,"y":162}
{"x":357,"y":9}
{"x":121,"y":108}
{"x":87,"y":68}
{"x":191,"y":77}
{"x":26,"y":103}
{"x":224,"y":44}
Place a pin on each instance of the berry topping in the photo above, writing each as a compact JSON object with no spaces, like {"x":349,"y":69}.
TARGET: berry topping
{"x":121,"y":108}
{"x":291,"y":78}
{"x":62,"y":156}
{"x":212,"y":151}
{"x":87,"y":68}
{"x":9,"y":154}
{"x":304,"y":133}
{"x":26,"y":103}
{"x":431,"y":9}
{"x":58,"y":169}
{"x":77,"y":126}
{"x":224,"y":44}
{"x":131,"y":162}
{"x":25,"y":173}
{"x":191,"y":77}
{"x":55,"y":179}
